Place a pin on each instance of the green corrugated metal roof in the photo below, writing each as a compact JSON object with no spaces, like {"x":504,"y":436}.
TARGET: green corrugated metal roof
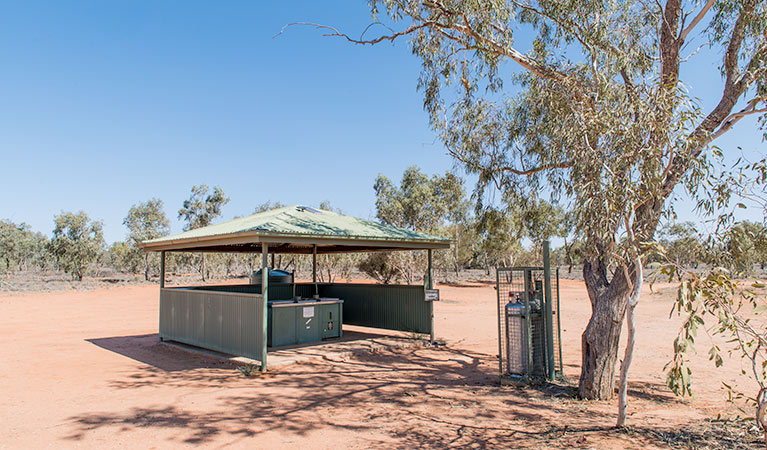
{"x":302,"y":221}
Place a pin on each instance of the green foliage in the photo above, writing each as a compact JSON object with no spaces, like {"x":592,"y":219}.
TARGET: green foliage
{"x":681,"y":243}
{"x":337,"y":265}
{"x":544,"y":220}
{"x":21,"y":247}
{"x":200,"y":210}
{"x":435,"y":205}
{"x":467,"y":246}
{"x":147,"y":220}
{"x":202,"y":207}
{"x":144,"y":221}
{"x":724,"y":308}
{"x":247,"y":370}
{"x":268,"y":206}
{"x":379,"y":266}
{"x":438,"y":205}
{"x":744,"y":245}
{"x":500,"y":234}
{"x":123,"y":257}
{"x":420,"y":203}
{"x":595,"y":116}
{"x":77,"y":242}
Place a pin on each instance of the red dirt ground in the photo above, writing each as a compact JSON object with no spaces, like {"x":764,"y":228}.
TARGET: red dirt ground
{"x":86,"y":370}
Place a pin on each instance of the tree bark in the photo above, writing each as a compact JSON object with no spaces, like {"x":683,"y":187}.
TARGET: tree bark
{"x":761,"y":411}
{"x":600,"y":340}
{"x":629,"y":354}
{"x":202,"y":267}
{"x":146,"y":269}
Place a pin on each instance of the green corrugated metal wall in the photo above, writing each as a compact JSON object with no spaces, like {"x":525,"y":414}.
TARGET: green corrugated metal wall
{"x":225,"y":322}
{"x":392,"y":307}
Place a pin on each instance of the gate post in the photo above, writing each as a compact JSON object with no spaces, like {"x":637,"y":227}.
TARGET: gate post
{"x":549,"y":327}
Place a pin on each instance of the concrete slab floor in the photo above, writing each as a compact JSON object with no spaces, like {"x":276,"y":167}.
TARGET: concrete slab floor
{"x":355,"y":340}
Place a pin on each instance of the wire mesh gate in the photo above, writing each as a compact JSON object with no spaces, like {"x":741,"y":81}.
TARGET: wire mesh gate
{"x":528,"y":323}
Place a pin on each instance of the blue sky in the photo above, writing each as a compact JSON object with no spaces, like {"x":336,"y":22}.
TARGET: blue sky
{"x":106,"y":104}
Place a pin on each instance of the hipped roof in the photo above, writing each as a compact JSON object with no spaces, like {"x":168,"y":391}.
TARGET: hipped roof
{"x":297,"y":229}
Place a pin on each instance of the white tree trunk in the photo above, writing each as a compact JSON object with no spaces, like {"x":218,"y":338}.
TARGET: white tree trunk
{"x":629,"y":353}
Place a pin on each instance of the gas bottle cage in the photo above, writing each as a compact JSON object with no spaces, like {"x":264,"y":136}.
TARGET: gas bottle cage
{"x":528,"y":324}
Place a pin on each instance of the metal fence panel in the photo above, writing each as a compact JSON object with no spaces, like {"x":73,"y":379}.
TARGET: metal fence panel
{"x":228,"y":322}
{"x":391,"y":307}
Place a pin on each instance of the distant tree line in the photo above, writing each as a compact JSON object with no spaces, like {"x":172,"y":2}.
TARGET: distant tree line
{"x":484,"y":237}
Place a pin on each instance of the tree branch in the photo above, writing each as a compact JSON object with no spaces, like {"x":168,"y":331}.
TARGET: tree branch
{"x":696,"y":20}
{"x":441,"y":11}
{"x":336,"y":33}
{"x":534,"y":170}
{"x":732,"y":119}
{"x":704,"y":133}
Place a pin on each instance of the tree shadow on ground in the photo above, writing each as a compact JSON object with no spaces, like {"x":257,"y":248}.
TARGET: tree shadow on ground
{"x":403,"y":398}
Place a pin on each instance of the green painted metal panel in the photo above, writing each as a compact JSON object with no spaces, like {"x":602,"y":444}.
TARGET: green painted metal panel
{"x":329,"y":318}
{"x":392,"y":307}
{"x":307,"y":326}
{"x":304,"y":322}
{"x":282,"y":327}
{"x":221,"y":321}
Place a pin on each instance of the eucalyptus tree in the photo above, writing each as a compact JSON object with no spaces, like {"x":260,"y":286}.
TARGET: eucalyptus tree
{"x":500,"y":234}
{"x":146,"y":220}
{"x":11,"y":237}
{"x":544,"y":220}
{"x":744,"y":246}
{"x":419,"y":203}
{"x":268,"y":206}
{"x":336,"y":265}
{"x":21,"y":246}
{"x":595,"y":113}
{"x":682,"y":244}
{"x":77,"y":242}
{"x":201,"y":209}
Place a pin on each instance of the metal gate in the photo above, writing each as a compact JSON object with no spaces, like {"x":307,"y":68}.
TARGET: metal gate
{"x":529,"y":327}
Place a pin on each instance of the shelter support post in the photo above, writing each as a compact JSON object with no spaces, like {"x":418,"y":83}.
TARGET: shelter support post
{"x":430,"y":285}
{"x":264,"y":294}
{"x":314,"y":268}
{"x":162,"y":286}
{"x":549,"y":325}
{"x":162,"y":269}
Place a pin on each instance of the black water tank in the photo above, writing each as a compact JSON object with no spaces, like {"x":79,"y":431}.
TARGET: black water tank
{"x":275,"y":277}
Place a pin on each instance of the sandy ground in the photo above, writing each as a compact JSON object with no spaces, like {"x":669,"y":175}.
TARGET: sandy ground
{"x":85,"y":370}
